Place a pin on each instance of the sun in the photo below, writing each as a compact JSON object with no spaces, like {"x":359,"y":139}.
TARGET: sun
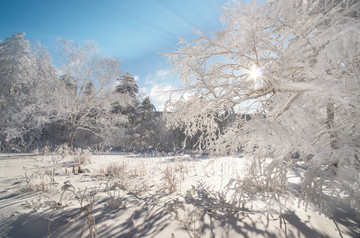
{"x":255,"y":72}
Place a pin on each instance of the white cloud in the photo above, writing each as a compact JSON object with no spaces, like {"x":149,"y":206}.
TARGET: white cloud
{"x":159,"y":94}
{"x":159,"y":87}
{"x":136,"y":78}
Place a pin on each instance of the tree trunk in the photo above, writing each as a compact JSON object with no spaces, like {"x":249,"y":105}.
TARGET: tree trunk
{"x":330,"y":113}
{"x":72,"y":135}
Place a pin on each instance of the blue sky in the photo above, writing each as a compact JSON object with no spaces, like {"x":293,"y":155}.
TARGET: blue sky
{"x":134,"y":31}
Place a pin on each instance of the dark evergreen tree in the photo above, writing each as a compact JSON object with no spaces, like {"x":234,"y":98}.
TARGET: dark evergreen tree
{"x":147,"y":124}
{"x":127,"y":85}
{"x":89,"y":89}
{"x":128,"y":89}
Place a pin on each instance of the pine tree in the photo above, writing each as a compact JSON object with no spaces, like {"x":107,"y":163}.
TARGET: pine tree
{"x":128,"y":90}
{"x":127,"y":85}
{"x":147,"y":124}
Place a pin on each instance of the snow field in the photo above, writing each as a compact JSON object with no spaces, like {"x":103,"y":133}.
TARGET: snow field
{"x":125,"y":195}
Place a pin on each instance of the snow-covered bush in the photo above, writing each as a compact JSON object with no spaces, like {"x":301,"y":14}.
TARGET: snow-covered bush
{"x":115,"y":170}
{"x":116,"y":192}
{"x":81,"y":158}
{"x":169,"y":181}
{"x":87,"y":199}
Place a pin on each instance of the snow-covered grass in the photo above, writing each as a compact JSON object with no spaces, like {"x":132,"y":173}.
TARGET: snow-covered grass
{"x":127,"y":195}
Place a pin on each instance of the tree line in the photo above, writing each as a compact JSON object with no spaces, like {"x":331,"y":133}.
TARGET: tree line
{"x":85,"y":100}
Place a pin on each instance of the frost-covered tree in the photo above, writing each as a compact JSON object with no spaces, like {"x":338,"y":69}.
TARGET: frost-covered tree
{"x":18,"y":71}
{"x":45,"y":83}
{"x":294,"y":66}
{"x":81,"y":98}
{"x":88,"y":106}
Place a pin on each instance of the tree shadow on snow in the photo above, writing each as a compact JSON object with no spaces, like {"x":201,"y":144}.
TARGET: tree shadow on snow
{"x":243,"y":221}
{"x":224,"y":214}
{"x":346,"y":217}
{"x":144,"y":218}
{"x":40,"y":224}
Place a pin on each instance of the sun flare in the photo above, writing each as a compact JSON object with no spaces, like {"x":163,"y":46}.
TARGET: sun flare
{"x":255,"y":72}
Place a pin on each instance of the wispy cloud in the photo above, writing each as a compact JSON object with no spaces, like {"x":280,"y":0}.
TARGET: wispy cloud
{"x":158,"y":76}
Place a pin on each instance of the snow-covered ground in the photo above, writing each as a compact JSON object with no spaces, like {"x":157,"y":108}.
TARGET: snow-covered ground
{"x":126,"y":195}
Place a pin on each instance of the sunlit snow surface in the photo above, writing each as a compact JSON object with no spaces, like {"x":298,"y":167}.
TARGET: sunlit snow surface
{"x":145,"y":196}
